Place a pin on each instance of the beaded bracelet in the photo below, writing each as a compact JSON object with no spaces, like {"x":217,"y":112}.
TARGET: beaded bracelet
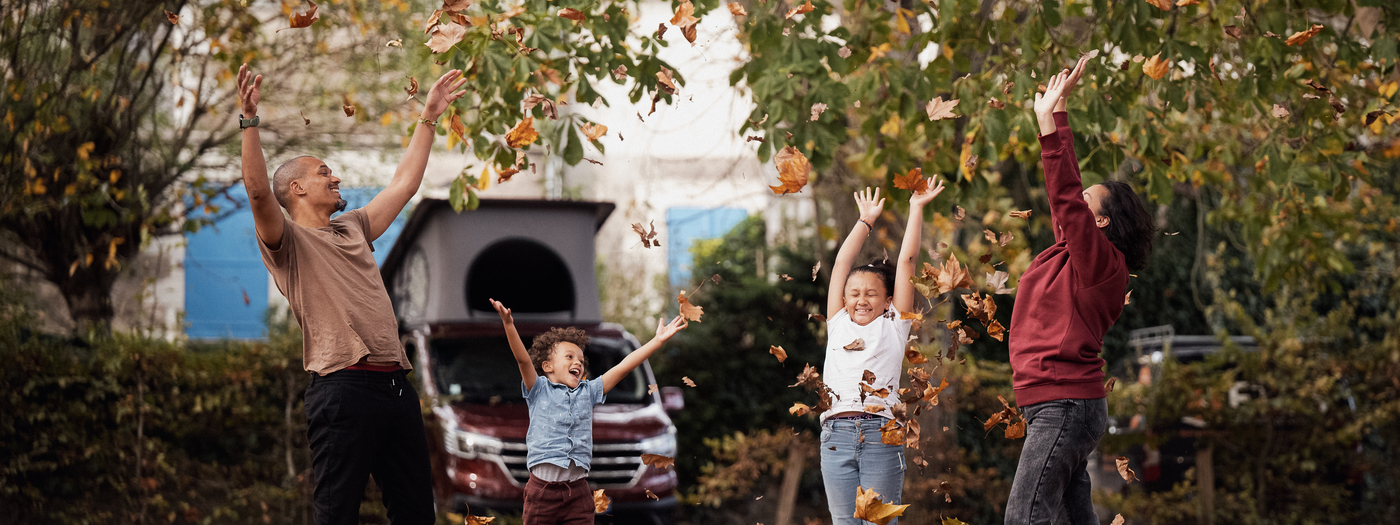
{"x":432,"y":123}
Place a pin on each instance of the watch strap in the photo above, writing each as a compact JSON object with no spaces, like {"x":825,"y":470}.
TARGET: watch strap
{"x":245,"y":123}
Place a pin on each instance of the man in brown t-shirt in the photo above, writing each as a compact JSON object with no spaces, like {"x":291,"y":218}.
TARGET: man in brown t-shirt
{"x":362,"y":414}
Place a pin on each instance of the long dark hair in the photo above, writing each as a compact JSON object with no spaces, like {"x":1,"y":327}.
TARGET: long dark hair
{"x":1130,"y":227}
{"x":879,"y":267}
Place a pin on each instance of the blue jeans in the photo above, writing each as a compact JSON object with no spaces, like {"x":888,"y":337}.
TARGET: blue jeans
{"x":855,"y":462}
{"x":1052,"y":481}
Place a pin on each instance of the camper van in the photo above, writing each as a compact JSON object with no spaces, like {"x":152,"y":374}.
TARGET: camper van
{"x":536,"y":257}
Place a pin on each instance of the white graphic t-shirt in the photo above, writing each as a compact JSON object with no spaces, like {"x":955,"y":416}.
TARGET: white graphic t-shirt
{"x":884,"y":340}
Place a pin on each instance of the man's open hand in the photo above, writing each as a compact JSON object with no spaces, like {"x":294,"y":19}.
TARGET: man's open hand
{"x":443,"y":92}
{"x":249,"y":92}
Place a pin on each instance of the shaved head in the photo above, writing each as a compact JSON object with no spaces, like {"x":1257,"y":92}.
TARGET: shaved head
{"x":283,"y":177}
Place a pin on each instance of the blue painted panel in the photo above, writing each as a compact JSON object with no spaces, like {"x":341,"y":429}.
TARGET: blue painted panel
{"x":225,"y":280}
{"x":684,"y":226}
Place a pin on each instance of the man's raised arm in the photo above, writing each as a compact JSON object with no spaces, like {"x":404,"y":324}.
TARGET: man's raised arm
{"x":267,"y":214}
{"x":387,"y":205}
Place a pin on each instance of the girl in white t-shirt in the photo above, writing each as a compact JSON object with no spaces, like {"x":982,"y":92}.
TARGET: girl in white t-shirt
{"x":865,"y":333}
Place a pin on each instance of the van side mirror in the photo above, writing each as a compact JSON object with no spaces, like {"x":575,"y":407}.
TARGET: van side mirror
{"x":672,"y":399}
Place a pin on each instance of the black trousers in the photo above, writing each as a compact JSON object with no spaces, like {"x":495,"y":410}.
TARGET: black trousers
{"x":363,"y":424}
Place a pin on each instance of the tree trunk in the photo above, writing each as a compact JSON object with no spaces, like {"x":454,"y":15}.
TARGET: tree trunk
{"x":88,"y":293}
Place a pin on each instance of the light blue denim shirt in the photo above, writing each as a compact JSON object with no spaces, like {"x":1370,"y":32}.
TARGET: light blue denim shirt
{"x":561,"y":422}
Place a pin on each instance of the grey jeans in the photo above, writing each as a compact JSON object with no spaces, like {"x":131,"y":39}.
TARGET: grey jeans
{"x":1052,"y":481}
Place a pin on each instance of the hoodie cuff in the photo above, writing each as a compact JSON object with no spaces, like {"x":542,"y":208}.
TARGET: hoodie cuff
{"x":1050,"y":143}
{"x":1061,"y":119}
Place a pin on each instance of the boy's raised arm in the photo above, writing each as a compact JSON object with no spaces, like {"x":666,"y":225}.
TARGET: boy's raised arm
{"x":522,"y":356}
{"x":909,"y":251}
{"x":870,"y":209}
{"x":633,"y":360}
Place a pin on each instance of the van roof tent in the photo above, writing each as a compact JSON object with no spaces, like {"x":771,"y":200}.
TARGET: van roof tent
{"x":537,"y":256}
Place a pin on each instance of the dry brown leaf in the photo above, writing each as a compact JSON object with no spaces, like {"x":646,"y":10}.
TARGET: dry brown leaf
{"x":412,"y":88}
{"x":1128,"y":298}
{"x":433,"y":21}
{"x":685,"y":15}
{"x":593,"y":132}
{"x":736,"y":9}
{"x":995,"y":330}
{"x":801,"y":9}
{"x":996,"y":103}
{"x":1232,"y":31}
{"x":688,"y":382}
{"x":455,"y":126}
{"x":299,"y":20}
{"x":600,"y":502}
{"x":665,"y":82}
{"x":913,"y":181}
{"x":658,"y":461}
{"x":648,"y":237}
{"x":870,"y":508}
{"x":855,"y":346}
{"x":571,"y":14}
{"x":1023,"y":214}
{"x":817,"y":110}
{"x":799,"y":409}
{"x":690,"y":311}
{"x":1279,"y":112}
{"x":454,"y":6}
{"x":1297,"y":38}
{"x":172,"y":17}
{"x":652,"y":496}
{"x":661,"y":31}
{"x":347,"y":106}
{"x":651,"y":389}
{"x":959,"y":213}
{"x":1108,"y":386}
{"x":953,"y":276}
{"x":689,"y":32}
{"x":444,"y":37}
{"x":914,"y":356}
{"x":480,"y":520}
{"x":778,"y":352}
{"x":620,"y":73}
{"x":818,"y":266}
{"x":1184,"y":3}
{"x":938,"y":109}
{"x":892,"y":433}
{"x":997,"y":280}
{"x":524,"y":133}
{"x":305,"y":121}
{"x":1155,"y":67}
{"x":1164,"y":5}
{"x":818,"y":317}
{"x":1123,"y":470}
{"x":793,"y":170}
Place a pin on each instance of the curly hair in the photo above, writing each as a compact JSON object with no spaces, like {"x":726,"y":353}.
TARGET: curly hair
{"x":1130,"y":227}
{"x":881,"y":268}
{"x":543,"y":346}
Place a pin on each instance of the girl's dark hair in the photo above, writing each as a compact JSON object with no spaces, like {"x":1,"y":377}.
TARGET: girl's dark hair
{"x":1130,"y":227}
{"x":878,"y":267}
{"x":543,"y":345}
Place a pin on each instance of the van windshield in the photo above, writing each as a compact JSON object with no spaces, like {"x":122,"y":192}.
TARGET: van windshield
{"x":481,"y":370}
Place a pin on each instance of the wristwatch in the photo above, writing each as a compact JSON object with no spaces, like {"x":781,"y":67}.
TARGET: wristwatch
{"x":245,"y":123}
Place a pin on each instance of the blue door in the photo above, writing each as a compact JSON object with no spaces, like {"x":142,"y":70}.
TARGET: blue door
{"x":684,"y":226}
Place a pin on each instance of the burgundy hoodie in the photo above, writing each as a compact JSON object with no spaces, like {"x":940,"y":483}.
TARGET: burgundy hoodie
{"x":1071,"y":294}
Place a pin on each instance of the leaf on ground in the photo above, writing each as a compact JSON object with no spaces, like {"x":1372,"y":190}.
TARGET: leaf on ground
{"x":524,"y":133}
{"x":793,"y":170}
{"x":913,"y":181}
{"x":600,"y":502}
{"x":689,"y":311}
{"x":1123,"y":470}
{"x":870,"y":508}
{"x":938,"y":109}
{"x":445,"y":36}
{"x":736,"y":9}
{"x":1155,"y":67}
{"x":300,"y":20}
{"x":658,"y":461}
{"x":801,"y":9}
{"x":778,"y":352}
{"x":855,"y":346}
{"x":1297,"y":38}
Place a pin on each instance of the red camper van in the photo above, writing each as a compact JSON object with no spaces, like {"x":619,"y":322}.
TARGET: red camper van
{"x":536,"y":257}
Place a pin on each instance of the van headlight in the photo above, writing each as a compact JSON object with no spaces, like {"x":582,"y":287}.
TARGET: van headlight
{"x":470,"y":445}
{"x":662,"y":445}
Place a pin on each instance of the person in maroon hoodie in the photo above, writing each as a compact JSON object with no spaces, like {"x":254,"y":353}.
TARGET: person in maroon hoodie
{"x":1069,"y":297}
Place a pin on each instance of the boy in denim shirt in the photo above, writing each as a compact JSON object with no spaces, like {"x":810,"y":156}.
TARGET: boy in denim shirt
{"x":559,"y":442}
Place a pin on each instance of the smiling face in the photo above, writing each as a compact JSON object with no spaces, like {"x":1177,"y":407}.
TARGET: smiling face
{"x":866,"y":297}
{"x":565,"y":364}
{"x":317,"y":187}
{"x":1094,"y":196}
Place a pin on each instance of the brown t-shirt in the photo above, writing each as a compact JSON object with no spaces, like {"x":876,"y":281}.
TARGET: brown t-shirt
{"x":330,"y":278}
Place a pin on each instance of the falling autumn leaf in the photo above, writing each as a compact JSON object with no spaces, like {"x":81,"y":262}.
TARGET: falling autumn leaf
{"x":802,"y":9}
{"x":685,"y":15}
{"x":397,"y":42}
{"x":1023,"y":214}
{"x":1155,"y":67}
{"x":658,"y":461}
{"x":997,"y":281}
{"x":571,"y":14}
{"x":997,"y":104}
{"x":1123,"y":470}
{"x":793,"y":169}
{"x":648,"y":238}
{"x":870,"y":508}
{"x":1232,"y":32}
{"x":938,"y":109}
{"x":480,"y":520}
{"x":819,"y":317}
{"x":523,"y":133}
{"x":799,"y":409}
{"x":736,"y":9}
{"x":444,"y":37}
{"x":665,"y":81}
{"x":1164,"y":5}
{"x":688,"y":382}
{"x":305,"y":121}
{"x":620,"y":73}
{"x":1279,"y":112}
{"x":959,"y":213}
{"x":299,"y":20}
{"x":172,"y":17}
{"x":651,"y":389}
{"x":855,"y":346}
{"x":1117,"y":519}
{"x":347,"y":106}
{"x":593,"y":132}
{"x":778,"y":352}
{"x":953,"y":276}
{"x":600,"y":502}
{"x":1128,"y":298}
{"x":690,"y":311}
{"x":412,"y":88}
{"x":652,"y":496}
{"x":845,"y":52}
{"x":914,"y":356}
{"x":1184,"y":3}
{"x":1303,"y":36}
{"x":817,"y":110}
{"x":1108,"y":385}
{"x":913,"y":181}
{"x":995,"y":330}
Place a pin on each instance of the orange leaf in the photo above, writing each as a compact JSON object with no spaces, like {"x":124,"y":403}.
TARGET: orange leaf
{"x":658,"y":460}
{"x":523,"y":133}
{"x":1024,"y":214}
{"x":778,"y":352}
{"x":300,"y":20}
{"x":600,"y":502}
{"x":688,"y":382}
{"x":593,"y":132}
{"x":801,"y":9}
{"x":793,"y":169}
{"x":1155,"y":67}
{"x":1123,"y":470}
{"x":690,"y":311}
{"x":914,"y":356}
{"x":665,"y":81}
{"x":870,"y":508}
{"x":1164,"y":5}
{"x":571,"y":14}
{"x":412,"y":88}
{"x":736,"y":9}
{"x":1303,"y":36}
{"x":455,"y":125}
{"x":685,"y":15}
{"x":799,"y":409}
{"x":175,"y":19}
{"x":913,"y":181}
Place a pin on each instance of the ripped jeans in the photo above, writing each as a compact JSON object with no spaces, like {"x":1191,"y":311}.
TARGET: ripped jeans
{"x":858,"y":462}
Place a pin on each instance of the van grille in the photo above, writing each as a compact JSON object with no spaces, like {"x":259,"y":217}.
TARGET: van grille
{"x":615,"y":465}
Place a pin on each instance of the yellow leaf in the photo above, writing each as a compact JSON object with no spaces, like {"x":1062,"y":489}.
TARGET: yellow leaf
{"x":870,"y":508}
{"x":523,"y":133}
{"x":1155,"y":67}
{"x":900,"y":23}
{"x":793,"y":169}
{"x":891,"y":127}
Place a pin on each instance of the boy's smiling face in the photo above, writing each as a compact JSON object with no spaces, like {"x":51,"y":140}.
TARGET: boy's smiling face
{"x":565,"y":364}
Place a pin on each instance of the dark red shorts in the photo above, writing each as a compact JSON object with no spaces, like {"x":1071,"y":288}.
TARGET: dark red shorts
{"x":565,"y":503}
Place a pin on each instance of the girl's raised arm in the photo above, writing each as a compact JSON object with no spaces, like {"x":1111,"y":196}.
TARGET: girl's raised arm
{"x":870,"y":205}
{"x":909,"y":251}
